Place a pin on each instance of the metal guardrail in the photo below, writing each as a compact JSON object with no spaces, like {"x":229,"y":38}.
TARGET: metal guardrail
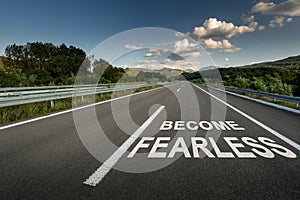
{"x":265,"y":94}
{"x":25,"y":95}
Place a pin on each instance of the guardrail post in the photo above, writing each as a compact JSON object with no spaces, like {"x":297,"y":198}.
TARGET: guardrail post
{"x":297,"y":105}
{"x":52,"y":103}
{"x":82,"y":98}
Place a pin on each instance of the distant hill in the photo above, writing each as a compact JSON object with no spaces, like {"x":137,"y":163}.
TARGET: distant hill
{"x":208,"y":68}
{"x":189,"y":70}
{"x":281,"y":76}
{"x":290,"y":59}
{"x":293,"y":61}
{"x":167,"y":72}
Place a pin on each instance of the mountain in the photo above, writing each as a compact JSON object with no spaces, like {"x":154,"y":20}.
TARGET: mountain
{"x":280,"y":76}
{"x":168,"y":72}
{"x":293,"y":61}
{"x":208,"y":68}
{"x":290,"y":59}
{"x":189,"y":70}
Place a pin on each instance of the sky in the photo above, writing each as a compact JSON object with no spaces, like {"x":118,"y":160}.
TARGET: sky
{"x":233,"y":32}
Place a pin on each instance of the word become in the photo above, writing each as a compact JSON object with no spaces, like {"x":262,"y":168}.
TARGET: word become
{"x":205,"y":125}
{"x":263,"y":147}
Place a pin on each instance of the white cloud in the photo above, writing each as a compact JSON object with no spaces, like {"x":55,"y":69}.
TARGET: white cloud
{"x":154,"y":52}
{"x":250,"y":28}
{"x":152,"y":61}
{"x":247,"y":18}
{"x":179,"y":34}
{"x":215,"y":33}
{"x":278,"y":21}
{"x":185,"y":48}
{"x":261,"y":27}
{"x":180,"y":64}
{"x":232,"y":50}
{"x":224,"y":45}
{"x":166,"y":63}
{"x":212,"y":44}
{"x":287,"y":8}
{"x":212,"y":28}
{"x":132,"y":47}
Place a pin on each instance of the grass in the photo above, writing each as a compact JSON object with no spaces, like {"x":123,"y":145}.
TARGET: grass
{"x":19,"y":112}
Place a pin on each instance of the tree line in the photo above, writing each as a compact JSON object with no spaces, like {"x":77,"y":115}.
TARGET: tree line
{"x":40,"y":63}
{"x":37,"y":64}
{"x":265,"y":78}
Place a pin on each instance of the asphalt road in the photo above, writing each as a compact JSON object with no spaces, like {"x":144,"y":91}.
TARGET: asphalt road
{"x":46,"y":159}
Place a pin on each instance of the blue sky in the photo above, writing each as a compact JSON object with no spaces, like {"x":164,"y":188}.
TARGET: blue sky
{"x":268,"y":30}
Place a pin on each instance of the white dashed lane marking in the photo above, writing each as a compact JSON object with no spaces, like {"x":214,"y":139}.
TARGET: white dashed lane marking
{"x":100,"y":173}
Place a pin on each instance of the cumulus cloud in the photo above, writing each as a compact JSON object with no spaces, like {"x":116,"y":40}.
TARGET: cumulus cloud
{"x":223,"y":45}
{"x":132,"y":47}
{"x":166,"y":63}
{"x":185,"y":48}
{"x":287,"y":8}
{"x":231,"y":50}
{"x":140,"y":62}
{"x":213,"y":28}
{"x":212,"y":44}
{"x":179,"y":34}
{"x":247,"y":18}
{"x":278,"y":21}
{"x":180,"y":64}
{"x":261,"y":27}
{"x":154,"y":52}
{"x":252,"y":24}
{"x":250,"y":28}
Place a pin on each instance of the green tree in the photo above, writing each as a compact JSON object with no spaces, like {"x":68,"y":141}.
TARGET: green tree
{"x":242,"y":82}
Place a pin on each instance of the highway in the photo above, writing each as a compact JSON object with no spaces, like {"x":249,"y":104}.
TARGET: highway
{"x":47,"y":159}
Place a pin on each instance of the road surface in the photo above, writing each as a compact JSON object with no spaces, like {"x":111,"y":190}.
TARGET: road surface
{"x":45,"y":158}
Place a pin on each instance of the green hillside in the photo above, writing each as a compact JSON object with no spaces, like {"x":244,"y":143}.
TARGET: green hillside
{"x":140,"y":74}
{"x":282,"y":76}
{"x":290,"y":62}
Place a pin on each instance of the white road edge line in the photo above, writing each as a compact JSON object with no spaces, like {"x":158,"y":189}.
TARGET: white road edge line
{"x":74,"y":109}
{"x":277,"y":134}
{"x":100,"y":173}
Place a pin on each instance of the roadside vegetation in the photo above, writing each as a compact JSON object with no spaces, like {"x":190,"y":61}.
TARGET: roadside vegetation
{"x":265,"y":78}
{"x":279,"y":77}
{"x":37,"y":64}
{"x":267,"y":99}
{"x":19,"y":112}
{"x":45,"y":64}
